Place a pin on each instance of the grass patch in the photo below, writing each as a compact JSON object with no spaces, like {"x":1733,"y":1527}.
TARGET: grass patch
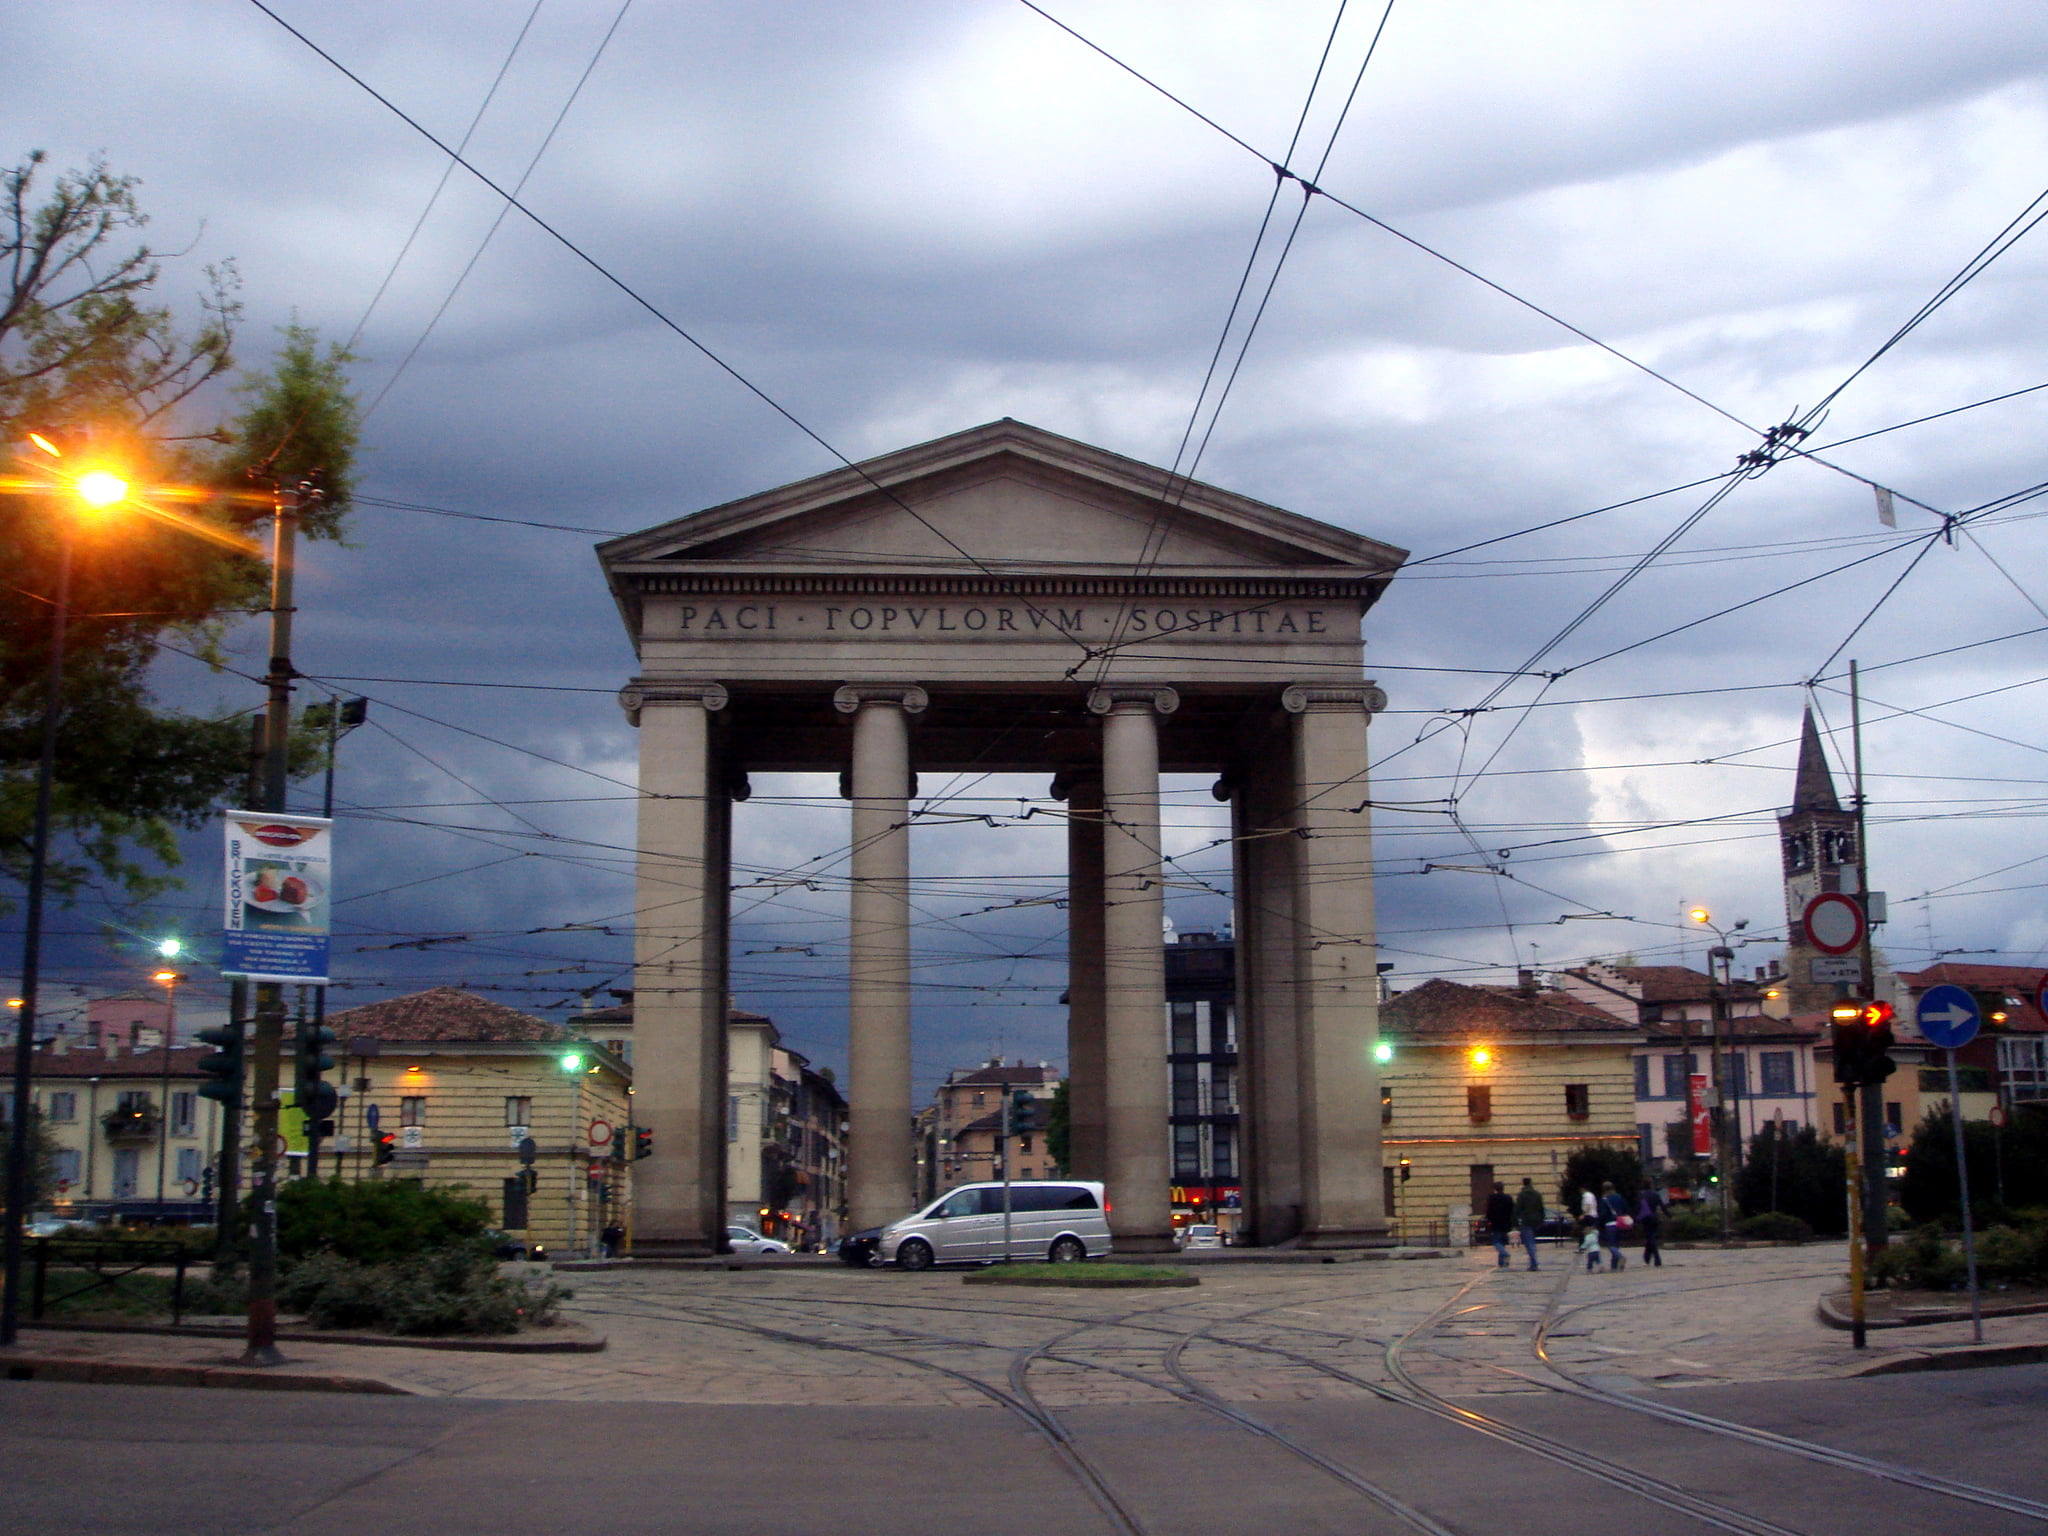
{"x":1091,"y":1276}
{"x":73,"y":1296}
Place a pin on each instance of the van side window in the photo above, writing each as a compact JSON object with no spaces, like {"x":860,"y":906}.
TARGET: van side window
{"x":1078,"y":1199}
{"x":965,"y":1203}
{"x":1032,"y":1197}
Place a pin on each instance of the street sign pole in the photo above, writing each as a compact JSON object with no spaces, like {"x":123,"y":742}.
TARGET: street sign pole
{"x":1853,"y":1153}
{"x":1955,"y":1101}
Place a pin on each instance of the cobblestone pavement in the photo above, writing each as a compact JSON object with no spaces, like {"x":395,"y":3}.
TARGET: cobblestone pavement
{"x":828,"y":1336}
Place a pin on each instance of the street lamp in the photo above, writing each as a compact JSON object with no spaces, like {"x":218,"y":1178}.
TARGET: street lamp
{"x":98,"y":489}
{"x":168,"y":979}
{"x":1720,"y":960}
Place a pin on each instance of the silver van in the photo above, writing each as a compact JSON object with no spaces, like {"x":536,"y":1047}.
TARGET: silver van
{"x":1057,"y":1219}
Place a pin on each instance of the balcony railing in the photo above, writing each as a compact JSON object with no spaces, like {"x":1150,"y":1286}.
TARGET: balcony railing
{"x":130,"y":1124}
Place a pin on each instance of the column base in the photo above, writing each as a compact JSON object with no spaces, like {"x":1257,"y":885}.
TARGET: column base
{"x":1142,"y":1242}
{"x":1348,"y":1237}
{"x":674,"y":1248}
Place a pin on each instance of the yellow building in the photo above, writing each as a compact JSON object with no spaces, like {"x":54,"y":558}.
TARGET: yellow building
{"x":1487,"y":1085}
{"x":132,"y":1138}
{"x":457,"y":1083}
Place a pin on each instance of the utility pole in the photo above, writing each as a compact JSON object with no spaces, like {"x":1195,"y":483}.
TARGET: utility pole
{"x":261,"y":1345}
{"x":1871,"y":1119}
{"x":1719,"y":962}
{"x":227,"y":1183}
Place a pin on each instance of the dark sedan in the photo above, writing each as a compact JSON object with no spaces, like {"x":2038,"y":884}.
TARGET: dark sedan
{"x":858,"y":1248}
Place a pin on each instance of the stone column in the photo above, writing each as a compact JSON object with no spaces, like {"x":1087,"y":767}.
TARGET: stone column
{"x":679,"y":966}
{"x":1134,"y":968}
{"x":1262,"y":821}
{"x":879,"y":1175}
{"x":1087,"y":1148}
{"x":1336,"y":978}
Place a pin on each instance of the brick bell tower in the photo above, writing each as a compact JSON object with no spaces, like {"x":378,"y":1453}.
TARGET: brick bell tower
{"x":1817,"y":840}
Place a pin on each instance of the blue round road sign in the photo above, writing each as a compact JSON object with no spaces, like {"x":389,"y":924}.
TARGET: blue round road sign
{"x":370,"y":1116}
{"x":1949,"y":1016}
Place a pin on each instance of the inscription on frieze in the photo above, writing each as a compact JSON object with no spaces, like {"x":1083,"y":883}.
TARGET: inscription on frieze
{"x":905,"y":619}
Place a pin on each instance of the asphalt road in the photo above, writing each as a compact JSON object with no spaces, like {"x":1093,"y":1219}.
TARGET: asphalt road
{"x":100,"y":1461}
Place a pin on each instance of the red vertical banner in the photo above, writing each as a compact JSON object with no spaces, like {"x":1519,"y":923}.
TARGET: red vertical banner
{"x":1702,"y":1118}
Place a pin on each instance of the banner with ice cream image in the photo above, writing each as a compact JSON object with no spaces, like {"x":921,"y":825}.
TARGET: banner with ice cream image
{"x":277,"y":897}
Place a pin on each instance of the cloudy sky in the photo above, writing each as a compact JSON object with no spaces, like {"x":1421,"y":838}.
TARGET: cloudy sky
{"x":902,"y":220}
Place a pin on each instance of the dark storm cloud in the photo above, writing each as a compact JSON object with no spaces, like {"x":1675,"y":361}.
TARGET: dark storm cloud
{"x":904,"y":220}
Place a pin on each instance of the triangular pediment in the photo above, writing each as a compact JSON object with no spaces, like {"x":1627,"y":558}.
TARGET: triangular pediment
{"x":1007,"y":497}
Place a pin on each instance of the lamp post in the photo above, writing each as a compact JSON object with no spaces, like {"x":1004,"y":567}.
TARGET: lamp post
{"x":1720,"y":960}
{"x":96,"y":489}
{"x":167,"y":979}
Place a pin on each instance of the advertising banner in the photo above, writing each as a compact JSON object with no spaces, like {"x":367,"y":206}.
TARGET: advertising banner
{"x":278,"y":897}
{"x":1702,"y":1115}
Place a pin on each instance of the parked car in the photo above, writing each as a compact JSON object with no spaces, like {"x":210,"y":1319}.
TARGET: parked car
{"x":505,"y":1246}
{"x":55,"y":1226}
{"x":747,"y":1240}
{"x":858,"y":1248}
{"x":1201,"y":1235}
{"x":1062,"y":1221}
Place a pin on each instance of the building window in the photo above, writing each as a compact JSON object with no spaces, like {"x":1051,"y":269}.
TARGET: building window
{"x":1798,"y":854}
{"x":1479,"y":1104}
{"x":1187,"y":1152}
{"x":1841,"y":1119}
{"x":1676,"y":1069}
{"x":1386,"y":1105}
{"x":980,"y":1099}
{"x":1735,"y":1074}
{"x":518,"y":1109}
{"x":1223,"y":1152}
{"x":1838,"y":846}
{"x":412,"y":1111}
{"x":1646,"y":1142}
{"x":1775,"y":1068}
{"x":184,"y":1110}
{"x":1187,"y":1088}
{"x":1642,"y":1065}
{"x":1183,"y":1041}
{"x":732,"y":1117}
{"x":64,"y":1166}
{"x":1023,"y":1143}
{"x":1894,"y":1122}
{"x":63,"y":1108}
{"x":2023,"y":1064}
{"x":188,"y":1164}
{"x":1578,"y":1101}
{"x":134,"y":1101}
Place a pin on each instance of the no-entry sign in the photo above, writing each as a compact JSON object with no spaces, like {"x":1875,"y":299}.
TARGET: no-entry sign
{"x":1834,"y":922}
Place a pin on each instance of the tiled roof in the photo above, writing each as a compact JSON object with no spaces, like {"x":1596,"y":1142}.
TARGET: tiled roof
{"x":1001,"y":1075}
{"x":441,"y":1013}
{"x":89,"y":1061}
{"x":1748,"y":1026}
{"x":1440,"y":1007}
{"x":1681,"y":984}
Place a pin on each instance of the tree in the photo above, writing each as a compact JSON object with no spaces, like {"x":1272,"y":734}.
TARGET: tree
{"x":42,"y":1159}
{"x":86,"y":358}
{"x":1794,"y":1171}
{"x":2013,"y":1157}
{"x":1592,"y":1166}
{"x":1059,"y":1126}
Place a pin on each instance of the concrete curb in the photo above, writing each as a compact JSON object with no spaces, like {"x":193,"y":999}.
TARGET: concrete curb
{"x":1968,"y":1358}
{"x":573,"y":1338}
{"x":22,"y":1366}
{"x":1833,"y":1309}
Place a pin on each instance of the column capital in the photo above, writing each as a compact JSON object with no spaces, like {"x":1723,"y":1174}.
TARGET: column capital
{"x":908,"y":697}
{"x":642,"y":692}
{"x":1324,"y":698}
{"x":1129,"y":698}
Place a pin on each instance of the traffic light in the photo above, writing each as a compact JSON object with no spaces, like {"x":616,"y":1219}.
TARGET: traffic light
{"x":643,"y":1143}
{"x":1023,"y":1110}
{"x":387,"y":1148}
{"x":1860,"y":1034}
{"x":318,"y":1099}
{"x":222,"y":1069}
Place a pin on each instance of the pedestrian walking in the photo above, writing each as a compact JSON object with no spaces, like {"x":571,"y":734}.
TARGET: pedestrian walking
{"x":1528,"y":1216}
{"x":1589,"y":1242}
{"x":1650,"y":1208}
{"x":1614,"y":1218}
{"x":1589,"y":1204}
{"x":1500,"y":1222}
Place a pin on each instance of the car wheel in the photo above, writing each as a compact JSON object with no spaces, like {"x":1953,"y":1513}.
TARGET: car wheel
{"x":915,"y":1254}
{"x":1068,"y":1250}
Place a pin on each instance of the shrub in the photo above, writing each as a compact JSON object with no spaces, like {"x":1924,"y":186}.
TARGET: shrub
{"x":1774,"y":1227}
{"x":1797,"y":1173}
{"x":454,"y":1290}
{"x":1922,"y":1262}
{"x":377,"y":1222}
{"x":1692,"y":1225}
{"x":1591,"y":1166}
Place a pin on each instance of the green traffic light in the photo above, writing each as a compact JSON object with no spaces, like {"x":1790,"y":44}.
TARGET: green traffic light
{"x":1383,"y":1051}
{"x":572,"y":1061}
{"x":170,"y":949}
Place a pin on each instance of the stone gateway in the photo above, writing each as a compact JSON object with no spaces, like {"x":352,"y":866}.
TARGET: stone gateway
{"x":1005,"y":599}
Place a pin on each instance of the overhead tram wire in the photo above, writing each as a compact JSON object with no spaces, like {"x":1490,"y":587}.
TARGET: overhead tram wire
{"x":519,"y":186}
{"x":666,"y":321}
{"x":1164,"y":512}
{"x":440,"y":186}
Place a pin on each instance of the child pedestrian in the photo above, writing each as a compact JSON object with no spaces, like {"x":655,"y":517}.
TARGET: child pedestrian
{"x":1589,"y":1242}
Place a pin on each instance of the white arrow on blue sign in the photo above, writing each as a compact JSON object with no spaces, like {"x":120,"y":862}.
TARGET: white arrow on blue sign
{"x":1949,"y":1016}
